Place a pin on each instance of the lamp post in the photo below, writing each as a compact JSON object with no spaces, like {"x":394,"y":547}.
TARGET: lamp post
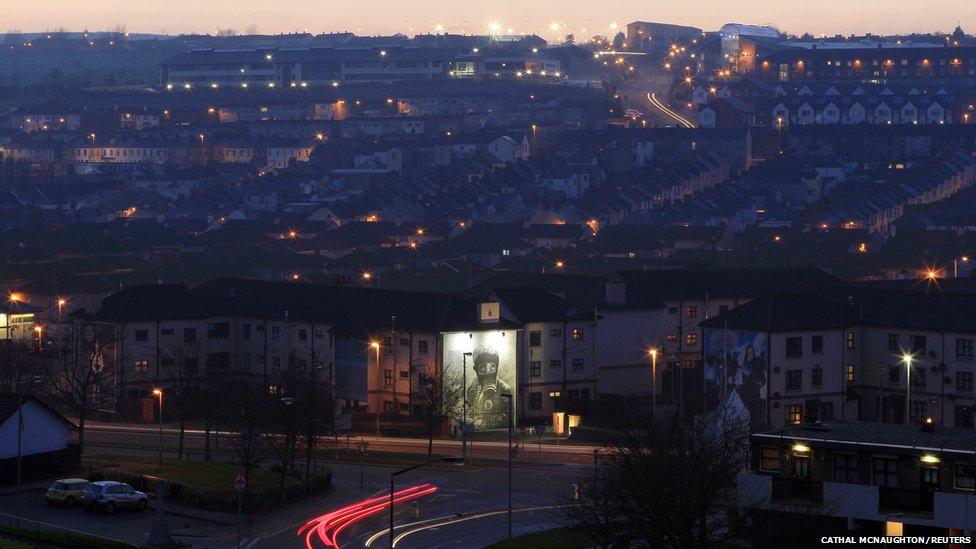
{"x":955,"y":265}
{"x":20,"y":435}
{"x":393,"y":475}
{"x":158,"y":393}
{"x":464,"y":404}
{"x":653,"y":353}
{"x":287,"y":401}
{"x":908,"y":387}
{"x":508,"y":397}
{"x":376,"y":345}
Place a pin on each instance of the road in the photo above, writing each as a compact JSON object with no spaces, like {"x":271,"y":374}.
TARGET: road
{"x":648,"y":93}
{"x":106,"y":436}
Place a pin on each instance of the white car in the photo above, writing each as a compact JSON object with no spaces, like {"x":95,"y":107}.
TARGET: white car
{"x":110,"y":495}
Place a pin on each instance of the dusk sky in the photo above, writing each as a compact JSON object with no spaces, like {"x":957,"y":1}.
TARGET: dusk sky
{"x":420,"y":16}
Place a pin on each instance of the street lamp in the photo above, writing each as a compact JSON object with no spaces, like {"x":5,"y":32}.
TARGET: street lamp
{"x":286,"y":401}
{"x":511,"y":419}
{"x":907,"y":359}
{"x":158,"y":393}
{"x":376,"y":345}
{"x":955,"y":265}
{"x":464,"y":404}
{"x":447,"y":459}
{"x":653,"y":353}
{"x":39,"y":330}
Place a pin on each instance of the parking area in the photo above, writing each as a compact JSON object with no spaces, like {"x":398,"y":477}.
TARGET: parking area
{"x":128,"y":525}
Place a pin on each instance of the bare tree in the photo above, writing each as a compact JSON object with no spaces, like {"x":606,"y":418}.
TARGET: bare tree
{"x":251,"y":443}
{"x":437,"y":395}
{"x":669,"y":483}
{"x":14,"y":356}
{"x":251,"y":30}
{"x":81,"y":375}
{"x":595,"y":507}
{"x":182,"y":373}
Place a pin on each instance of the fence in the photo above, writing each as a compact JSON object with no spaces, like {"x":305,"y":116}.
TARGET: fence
{"x":52,"y":534}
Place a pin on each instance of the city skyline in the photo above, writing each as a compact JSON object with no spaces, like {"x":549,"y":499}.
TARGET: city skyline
{"x":548,"y":18}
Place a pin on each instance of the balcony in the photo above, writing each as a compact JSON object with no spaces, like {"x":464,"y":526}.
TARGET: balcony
{"x":901,"y":500}
{"x":797,"y":490}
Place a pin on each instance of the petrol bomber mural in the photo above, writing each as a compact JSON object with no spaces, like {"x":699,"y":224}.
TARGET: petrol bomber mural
{"x":735,"y":361}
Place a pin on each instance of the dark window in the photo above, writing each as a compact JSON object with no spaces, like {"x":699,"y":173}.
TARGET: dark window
{"x":816,"y":377}
{"x":964,"y":381}
{"x":302,"y":334}
{"x":769,"y":460}
{"x":672,"y":310}
{"x":964,"y":416}
{"x":794,"y":414}
{"x":918,"y":344}
{"x":816,"y":345}
{"x":218,"y":361}
{"x":218,"y":330}
{"x":422,"y":347}
{"x":535,"y":339}
{"x":894,"y":374}
{"x":405,"y":341}
{"x":826,"y":411}
{"x":794,"y":380}
{"x":556,"y":363}
{"x":246,"y":331}
{"x":577,"y":334}
{"x":388,"y":378}
{"x":919,"y":410}
{"x":142,"y":335}
{"x":166,"y":331}
{"x":141,"y":366}
{"x":585,"y":394}
{"x":930,"y":478}
{"x":189,"y":335}
{"x":577,"y":363}
{"x":794,"y":347}
{"x":404,"y":374}
{"x":964,"y":349}
{"x":919,"y":377}
{"x":894,"y":342}
{"x":275,"y":332}
{"x":801,"y":467}
{"x":535,"y":368}
{"x":885,"y":472}
{"x":845,"y":468}
{"x":965,"y":477}
{"x":535,"y":401}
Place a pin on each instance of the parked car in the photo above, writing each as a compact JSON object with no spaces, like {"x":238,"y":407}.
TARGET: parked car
{"x":66,"y":491}
{"x":108,"y":496}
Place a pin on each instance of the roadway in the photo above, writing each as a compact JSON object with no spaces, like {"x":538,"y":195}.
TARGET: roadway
{"x":648,"y":93}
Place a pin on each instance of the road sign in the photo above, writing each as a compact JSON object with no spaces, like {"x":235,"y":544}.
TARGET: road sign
{"x":539,"y":430}
{"x":362,"y":445}
{"x":240,"y":482}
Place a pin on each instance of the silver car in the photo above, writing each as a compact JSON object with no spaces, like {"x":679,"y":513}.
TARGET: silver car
{"x":110,"y":495}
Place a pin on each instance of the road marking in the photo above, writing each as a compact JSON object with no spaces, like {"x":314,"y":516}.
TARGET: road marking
{"x":450,"y":519}
{"x":655,"y":102}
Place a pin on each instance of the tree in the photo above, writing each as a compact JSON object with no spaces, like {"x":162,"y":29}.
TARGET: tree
{"x":81,"y":375}
{"x":251,"y":443}
{"x":669,"y":483}
{"x":438,"y":395}
{"x":181,"y":371}
{"x":14,"y":356}
{"x":595,"y":509}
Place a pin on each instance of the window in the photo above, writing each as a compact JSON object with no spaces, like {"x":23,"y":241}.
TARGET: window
{"x":672,"y":310}
{"x":885,"y":472}
{"x":964,"y":416}
{"x":404,"y":374}
{"x":535,"y":339}
{"x":166,"y":331}
{"x":794,"y":380}
{"x":849,"y":373}
{"x":794,"y":347}
{"x":919,"y":410}
{"x":577,"y":363}
{"x":801,"y":467}
{"x":816,"y":345}
{"x":769,"y":460}
{"x":388,"y":378}
{"x":573,"y":394}
{"x":422,"y":347}
{"x":964,"y":381}
{"x":218,"y":330}
{"x":246,"y":331}
{"x":850,"y":340}
{"x":141,"y":335}
{"x":930,"y":478}
{"x":577,"y":334}
{"x":555,"y":394}
{"x":894,"y":342}
{"x":405,"y":341}
{"x":794,"y":414}
{"x":816,"y":377}
{"x":691,"y":312}
{"x":918,"y":344}
{"x":555,"y":333}
{"x":388,"y":343}
{"x":826,"y":411}
{"x":965,"y":477}
{"x":671,"y":338}
{"x":894,"y":374}
{"x":556,"y":363}
{"x":218,"y":361}
{"x":845,"y":468}
{"x":141,"y":366}
{"x":535,"y":401}
{"x":535,"y":368}
{"x":691,"y":338}
{"x":964,"y":349}
{"x":919,"y":377}
{"x":302,"y":334}
{"x":388,"y":406}
{"x":585,"y":394}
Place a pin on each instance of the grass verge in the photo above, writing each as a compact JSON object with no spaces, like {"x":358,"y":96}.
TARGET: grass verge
{"x":557,"y":538}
